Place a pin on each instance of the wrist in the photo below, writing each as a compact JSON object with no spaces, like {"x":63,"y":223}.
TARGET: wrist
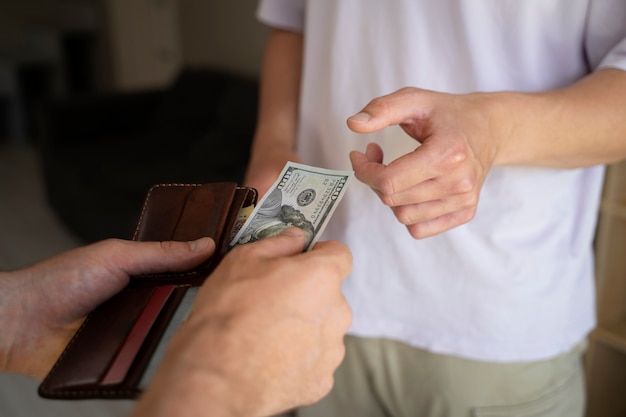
{"x":521,"y":125}
{"x":198,"y":376}
{"x":188,"y":392}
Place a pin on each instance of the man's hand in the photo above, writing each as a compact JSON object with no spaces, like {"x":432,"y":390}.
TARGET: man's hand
{"x":42,"y":306}
{"x":265,"y":333}
{"x":435,"y":187}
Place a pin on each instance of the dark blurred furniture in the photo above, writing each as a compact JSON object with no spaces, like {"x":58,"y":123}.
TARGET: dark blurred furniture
{"x":100,"y":154}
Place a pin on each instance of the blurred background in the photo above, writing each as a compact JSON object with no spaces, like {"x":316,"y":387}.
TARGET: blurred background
{"x":100,"y":99}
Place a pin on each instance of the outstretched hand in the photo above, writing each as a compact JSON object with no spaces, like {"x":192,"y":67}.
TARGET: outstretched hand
{"x":436,"y":187}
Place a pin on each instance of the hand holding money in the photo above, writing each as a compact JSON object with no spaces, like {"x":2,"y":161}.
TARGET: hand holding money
{"x":302,"y":196}
{"x":265,"y":333}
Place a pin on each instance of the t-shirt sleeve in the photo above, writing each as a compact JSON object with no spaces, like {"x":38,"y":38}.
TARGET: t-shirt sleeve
{"x":282,"y":14}
{"x":615,"y":58}
{"x":605,"y":38}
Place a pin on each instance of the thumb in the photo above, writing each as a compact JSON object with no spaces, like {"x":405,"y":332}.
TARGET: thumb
{"x":392,"y":109}
{"x":290,"y":241}
{"x":134,"y":258}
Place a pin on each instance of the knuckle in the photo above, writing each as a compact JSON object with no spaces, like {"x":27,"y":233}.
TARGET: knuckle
{"x":387,"y":186}
{"x":470,"y":201}
{"x":387,"y":199}
{"x":417,"y":231}
{"x":341,"y":317}
{"x":347,"y":316}
{"x":242,"y":255}
{"x":464,"y":185}
{"x":452,"y":157}
{"x":167,"y":246}
{"x":338,"y":354}
{"x":403,"y":215}
{"x":112,"y":243}
{"x":324,"y":387}
{"x":465,"y":216}
{"x":318,"y":387}
{"x":457,"y":156}
{"x":380,"y":103}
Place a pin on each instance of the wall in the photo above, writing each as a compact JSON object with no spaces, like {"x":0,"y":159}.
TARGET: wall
{"x":223,"y":34}
{"x":18,"y":17}
{"x":143,"y":42}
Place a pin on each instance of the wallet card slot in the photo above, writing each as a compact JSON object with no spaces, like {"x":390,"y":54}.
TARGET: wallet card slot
{"x":203,"y":214}
{"x":90,"y":352}
{"x":178,"y":318}
{"x":128,"y":351}
{"x":161,"y":212}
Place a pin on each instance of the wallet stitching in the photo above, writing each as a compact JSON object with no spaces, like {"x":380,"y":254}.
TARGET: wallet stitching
{"x":114,"y":393}
{"x":140,"y":222}
{"x":149,"y":195}
{"x":170,"y":276}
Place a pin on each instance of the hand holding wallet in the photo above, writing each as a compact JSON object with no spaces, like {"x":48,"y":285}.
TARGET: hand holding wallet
{"x":118,"y":346}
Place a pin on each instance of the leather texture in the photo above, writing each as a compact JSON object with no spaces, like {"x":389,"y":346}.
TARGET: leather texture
{"x":105,"y":358}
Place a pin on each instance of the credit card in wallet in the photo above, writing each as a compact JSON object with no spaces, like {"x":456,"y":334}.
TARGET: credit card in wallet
{"x":179,"y":317}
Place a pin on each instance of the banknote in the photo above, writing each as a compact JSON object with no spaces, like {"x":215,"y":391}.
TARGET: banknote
{"x":303,"y":196}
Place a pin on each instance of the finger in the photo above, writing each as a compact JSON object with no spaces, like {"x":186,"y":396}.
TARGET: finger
{"x":431,"y":190}
{"x":400,"y":107}
{"x":333,"y":253}
{"x":289,"y":242}
{"x":132,"y":258}
{"x":374,"y":153}
{"x":440,"y":224}
{"x":397,"y":177}
{"x":369,"y":172}
{"x":422,"y":212}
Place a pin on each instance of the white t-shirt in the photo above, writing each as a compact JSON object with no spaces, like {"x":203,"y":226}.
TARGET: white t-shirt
{"x":515,"y":283}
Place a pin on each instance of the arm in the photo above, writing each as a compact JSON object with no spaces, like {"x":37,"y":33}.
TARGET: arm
{"x":574,"y":127}
{"x":265,"y":333}
{"x":273,"y":143}
{"x":42,"y":306}
{"x":436,"y":187}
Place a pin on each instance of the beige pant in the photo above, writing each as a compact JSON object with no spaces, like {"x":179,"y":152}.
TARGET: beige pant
{"x":380,"y":378}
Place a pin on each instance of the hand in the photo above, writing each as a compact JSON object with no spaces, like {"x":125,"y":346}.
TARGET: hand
{"x":436,"y":187}
{"x":265,"y":333}
{"x":42,"y":306}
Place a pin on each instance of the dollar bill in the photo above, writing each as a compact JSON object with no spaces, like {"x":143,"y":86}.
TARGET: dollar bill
{"x":302,"y":196}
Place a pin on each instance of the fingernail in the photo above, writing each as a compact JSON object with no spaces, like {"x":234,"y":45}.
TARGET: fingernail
{"x":198,"y":245}
{"x":361,"y":117}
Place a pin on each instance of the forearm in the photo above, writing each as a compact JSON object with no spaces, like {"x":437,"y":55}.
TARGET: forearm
{"x":581,"y":125}
{"x":191,"y":381}
{"x":188,"y":392}
{"x":279,"y":92}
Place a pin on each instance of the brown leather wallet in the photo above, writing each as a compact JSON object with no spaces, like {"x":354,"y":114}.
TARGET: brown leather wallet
{"x":115,"y":351}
